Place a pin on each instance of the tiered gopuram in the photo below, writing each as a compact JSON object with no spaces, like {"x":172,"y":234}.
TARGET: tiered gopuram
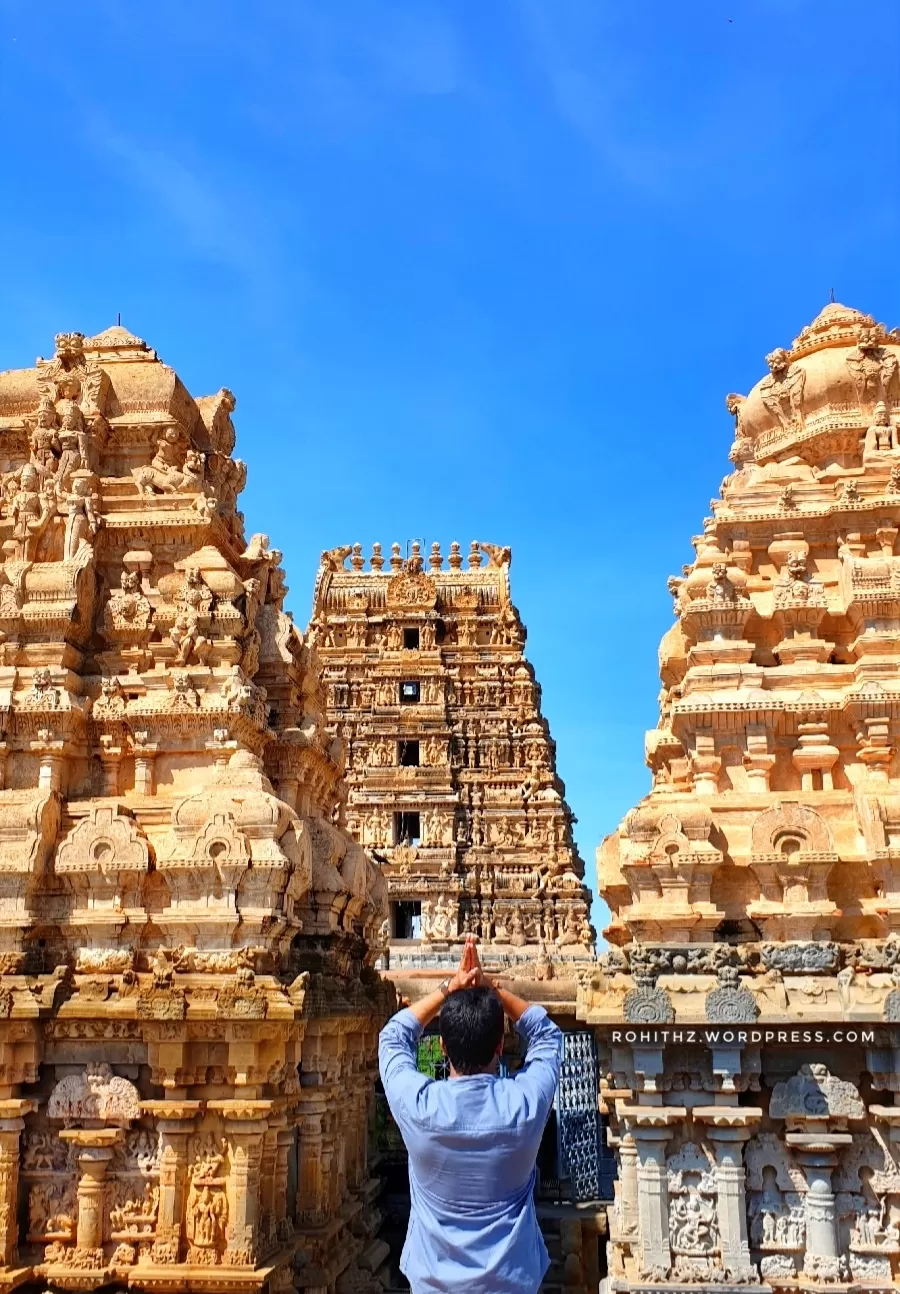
{"x":187,"y":1018}
{"x":757,"y":887}
{"x":451,"y":768}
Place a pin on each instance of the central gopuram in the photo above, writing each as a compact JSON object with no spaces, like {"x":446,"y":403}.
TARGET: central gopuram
{"x":188,"y":1011}
{"x":748,"y":1010}
{"x":451,"y":768}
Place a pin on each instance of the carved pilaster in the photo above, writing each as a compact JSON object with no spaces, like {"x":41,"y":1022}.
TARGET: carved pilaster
{"x":175,"y":1121}
{"x":310,"y":1205}
{"x":11,"y":1124}
{"x":284,"y":1226}
{"x":650,"y":1128}
{"x":269,"y":1178}
{"x":245,"y":1123}
{"x":758,"y":760}
{"x":728,"y":1127}
{"x":627,"y":1186}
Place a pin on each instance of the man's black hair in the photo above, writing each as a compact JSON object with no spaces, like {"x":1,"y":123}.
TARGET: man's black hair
{"x":471,"y":1027}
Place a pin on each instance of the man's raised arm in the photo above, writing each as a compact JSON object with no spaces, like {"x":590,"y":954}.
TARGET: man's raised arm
{"x":398,"y":1040}
{"x":539,"y":1075}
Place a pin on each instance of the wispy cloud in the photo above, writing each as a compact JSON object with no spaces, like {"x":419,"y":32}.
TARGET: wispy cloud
{"x":354,"y":63}
{"x":416,"y":52}
{"x":598,"y":82}
{"x":217,"y":223}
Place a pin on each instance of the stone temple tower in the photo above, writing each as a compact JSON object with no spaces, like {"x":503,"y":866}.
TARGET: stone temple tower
{"x":754,"y":1081}
{"x":182,"y":922}
{"x":451,"y":768}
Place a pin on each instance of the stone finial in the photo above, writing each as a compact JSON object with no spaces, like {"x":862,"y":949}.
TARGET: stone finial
{"x":474,"y":555}
{"x":396,"y":558}
{"x":357,"y":561}
{"x":455,"y":558}
{"x":376,"y":561}
{"x":435,"y":560}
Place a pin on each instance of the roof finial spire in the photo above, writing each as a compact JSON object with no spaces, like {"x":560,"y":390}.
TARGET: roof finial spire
{"x":832,"y":296}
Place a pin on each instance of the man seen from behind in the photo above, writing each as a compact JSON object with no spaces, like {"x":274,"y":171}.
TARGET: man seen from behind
{"x":472,"y":1139}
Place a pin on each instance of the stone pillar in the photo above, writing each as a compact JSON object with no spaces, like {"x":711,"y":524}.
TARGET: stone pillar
{"x":818,"y":1157}
{"x":356,"y":1138}
{"x":174,"y":1123}
{"x":330,"y":1174}
{"x":757,"y":760}
{"x":94,"y":1148}
{"x":144,"y":765}
{"x":284,"y":1227}
{"x":269,"y":1177}
{"x":52,"y":765}
{"x":288,"y":786}
{"x":310,"y":1205}
{"x":650,"y":1127}
{"x":110,"y":763}
{"x":728,"y":1128}
{"x":11,"y":1125}
{"x":706,"y":764}
{"x":245,"y":1126}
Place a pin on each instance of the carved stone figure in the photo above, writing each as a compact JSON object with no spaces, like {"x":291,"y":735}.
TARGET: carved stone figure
{"x":881,"y":436}
{"x":45,"y":440}
{"x":82,"y":522}
{"x":873,"y":368}
{"x":194,"y":603}
{"x":30,"y":508}
{"x":175,"y":466}
{"x":782,"y":390}
{"x":127,"y":607}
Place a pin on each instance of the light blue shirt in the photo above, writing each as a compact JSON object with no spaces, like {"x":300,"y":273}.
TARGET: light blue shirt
{"x":472,"y":1144}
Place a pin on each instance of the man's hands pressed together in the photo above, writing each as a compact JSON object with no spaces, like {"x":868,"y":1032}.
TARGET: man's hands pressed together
{"x":469,"y":974}
{"x":466,"y":976}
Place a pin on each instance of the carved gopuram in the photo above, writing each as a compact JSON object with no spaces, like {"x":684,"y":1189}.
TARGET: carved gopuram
{"x":188,"y":1015}
{"x":748,"y":1011}
{"x":451,"y":767}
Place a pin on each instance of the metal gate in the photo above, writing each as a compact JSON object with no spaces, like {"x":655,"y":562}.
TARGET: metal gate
{"x":581,"y":1145}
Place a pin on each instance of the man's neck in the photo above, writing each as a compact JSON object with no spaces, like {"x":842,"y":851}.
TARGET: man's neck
{"x":490,"y":1071}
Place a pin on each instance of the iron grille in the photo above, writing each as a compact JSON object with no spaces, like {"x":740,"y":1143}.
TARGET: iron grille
{"x":578,"y":1120}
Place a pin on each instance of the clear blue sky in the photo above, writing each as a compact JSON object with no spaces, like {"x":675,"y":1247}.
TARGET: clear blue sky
{"x":473,"y":268}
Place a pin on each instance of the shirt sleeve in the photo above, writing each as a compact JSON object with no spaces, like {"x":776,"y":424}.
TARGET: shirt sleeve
{"x":539,"y":1075}
{"x":400,"y":1078}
